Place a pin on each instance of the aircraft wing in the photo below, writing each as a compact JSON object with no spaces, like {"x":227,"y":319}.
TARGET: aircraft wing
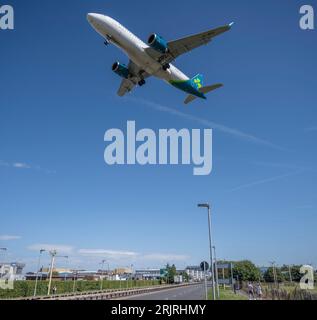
{"x":183,"y":45}
{"x":128,"y":85}
{"x":125,"y":87}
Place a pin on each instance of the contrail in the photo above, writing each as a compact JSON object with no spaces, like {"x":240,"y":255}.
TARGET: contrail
{"x":263,"y":181}
{"x":214,"y":125}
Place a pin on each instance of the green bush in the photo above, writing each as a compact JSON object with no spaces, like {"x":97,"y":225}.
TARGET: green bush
{"x":26,"y":288}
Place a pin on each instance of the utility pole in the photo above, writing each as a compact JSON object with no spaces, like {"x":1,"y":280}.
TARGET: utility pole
{"x":206,"y":205}
{"x":37,"y":272}
{"x":131,"y":275}
{"x":53,"y":254}
{"x":102,"y":271}
{"x":75,"y":280}
{"x":274,"y":272}
{"x":66,"y":270}
{"x":216,"y":270}
{"x":290,"y":273}
{"x":205,"y":278}
{"x":223,"y":277}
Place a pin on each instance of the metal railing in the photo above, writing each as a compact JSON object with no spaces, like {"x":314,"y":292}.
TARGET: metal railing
{"x":105,"y":294}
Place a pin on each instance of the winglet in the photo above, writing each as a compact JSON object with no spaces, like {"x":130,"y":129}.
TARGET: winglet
{"x":231,"y":24}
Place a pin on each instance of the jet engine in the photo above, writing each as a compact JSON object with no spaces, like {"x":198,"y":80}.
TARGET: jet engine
{"x":158,"y":43}
{"x":121,"y":70}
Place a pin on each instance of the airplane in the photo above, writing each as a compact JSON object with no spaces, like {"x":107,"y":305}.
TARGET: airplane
{"x":154,"y":58}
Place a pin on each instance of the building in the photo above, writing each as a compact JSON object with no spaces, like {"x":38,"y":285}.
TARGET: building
{"x":65,"y":276}
{"x":147,"y":274}
{"x":56,"y":270}
{"x":195,"y":273}
{"x":122,"y":271}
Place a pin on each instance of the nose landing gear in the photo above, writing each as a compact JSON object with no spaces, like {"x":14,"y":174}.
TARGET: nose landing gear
{"x":141,"y":83}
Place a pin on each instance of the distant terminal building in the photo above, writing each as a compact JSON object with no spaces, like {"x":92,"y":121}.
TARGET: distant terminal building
{"x":62,"y":276}
{"x":147,"y":274}
{"x":56,"y":270}
{"x":195,"y":273}
{"x":15,"y":267}
{"x":122,"y":271}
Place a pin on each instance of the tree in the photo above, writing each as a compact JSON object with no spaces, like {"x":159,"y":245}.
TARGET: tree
{"x":269,"y":275}
{"x":246,"y":271}
{"x":185,"y":276}
{"x":296,"y":275}
{"x":171,"y":273}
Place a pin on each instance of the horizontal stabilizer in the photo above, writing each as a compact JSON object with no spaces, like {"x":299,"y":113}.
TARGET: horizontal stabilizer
{"x":210,"y":88}
{"x":203,"y":90}
{"x":189,"y":99}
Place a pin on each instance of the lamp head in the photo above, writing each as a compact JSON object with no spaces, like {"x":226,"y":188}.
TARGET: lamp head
{"x":203,"y":205}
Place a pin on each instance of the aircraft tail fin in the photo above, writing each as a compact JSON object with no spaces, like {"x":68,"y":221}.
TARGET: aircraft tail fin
{"x":198,"y":81}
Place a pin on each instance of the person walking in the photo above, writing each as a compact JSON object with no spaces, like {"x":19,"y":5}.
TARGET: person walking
{"x":251,"y":291}
{"x":54,"y":290}
{"x":259,"y":291}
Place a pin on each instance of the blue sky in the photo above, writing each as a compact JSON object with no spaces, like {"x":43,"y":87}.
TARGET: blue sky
{"x":58,"y":97}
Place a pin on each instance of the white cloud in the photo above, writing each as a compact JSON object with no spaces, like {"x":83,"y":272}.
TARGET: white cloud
{"x":21,"y":165}
{"x":6,"y":237}
{"x":107,"y":253}
{"x":130,"y":255}
{"x":161,"y":257}
{"x":64,"y":249}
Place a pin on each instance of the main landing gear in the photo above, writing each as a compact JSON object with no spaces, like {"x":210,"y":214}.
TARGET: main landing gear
{"x":141,"y":82}
{"x":166,"y":66}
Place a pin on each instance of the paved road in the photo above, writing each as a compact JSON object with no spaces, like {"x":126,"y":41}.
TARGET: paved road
{"x":193,"y":292}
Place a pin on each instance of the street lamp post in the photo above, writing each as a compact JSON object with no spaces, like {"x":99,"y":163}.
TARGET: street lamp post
{"x":206,"y":205}
{"x":290,"y":274}
{"x":37,"y":273}
{"x":216,"y":270}
{"x":131,"y":275}
{"x":102,"y":271}
{"x":75,"y":279}
{"x":205,"y":281}
{"x":274,"y":272}
{"x":66,"y":269}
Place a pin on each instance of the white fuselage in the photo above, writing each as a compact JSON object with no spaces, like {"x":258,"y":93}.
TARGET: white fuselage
{"x":133,"y":47}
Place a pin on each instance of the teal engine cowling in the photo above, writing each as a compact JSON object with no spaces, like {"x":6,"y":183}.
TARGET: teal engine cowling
{"x":121,"y":70}
{"x":158,"y":43}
